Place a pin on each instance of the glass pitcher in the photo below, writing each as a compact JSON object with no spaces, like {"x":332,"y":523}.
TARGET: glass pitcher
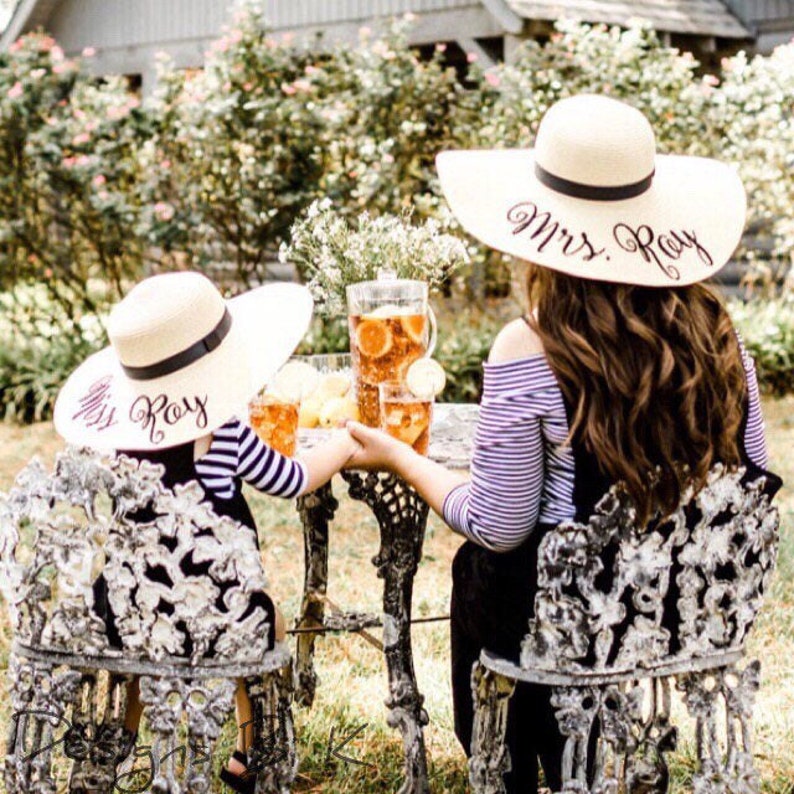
{"x":391,"y":325}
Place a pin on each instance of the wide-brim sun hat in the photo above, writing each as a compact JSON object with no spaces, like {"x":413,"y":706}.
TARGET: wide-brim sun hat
{"x":594,"y":199}
{"x":182,"y":362}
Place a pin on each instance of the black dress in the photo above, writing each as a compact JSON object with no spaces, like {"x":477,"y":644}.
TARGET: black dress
{"x":180,"y":468}
{"x":493,"y":598}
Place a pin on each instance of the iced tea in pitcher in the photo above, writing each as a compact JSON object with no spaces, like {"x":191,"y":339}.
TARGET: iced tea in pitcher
{"x":383,"y":347}
{"x":391,"y":326}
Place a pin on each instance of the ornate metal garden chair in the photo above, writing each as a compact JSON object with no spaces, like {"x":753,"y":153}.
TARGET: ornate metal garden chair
{"x":678,"y":606}
{"x":68,"y":686}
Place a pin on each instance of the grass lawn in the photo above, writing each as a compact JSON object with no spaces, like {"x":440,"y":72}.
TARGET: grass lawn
{"x":353,"y":676}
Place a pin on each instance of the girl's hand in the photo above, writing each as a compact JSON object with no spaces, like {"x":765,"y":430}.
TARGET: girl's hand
{"x":377,"y":450}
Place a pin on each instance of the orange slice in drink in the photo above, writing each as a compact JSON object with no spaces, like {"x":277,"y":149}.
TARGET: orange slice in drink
{"x":414,"y":327}
{"x":373,"y":338}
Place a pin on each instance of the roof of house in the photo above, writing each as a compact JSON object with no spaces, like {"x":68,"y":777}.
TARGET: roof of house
{"x":694,"y":17}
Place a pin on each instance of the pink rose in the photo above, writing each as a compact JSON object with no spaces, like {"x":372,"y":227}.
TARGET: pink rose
{"x":288,"y":89}
{"x":89,"y":52}
{"x":15,"y":91}
{"x":492,"y":79}
{"x":472,"y":57}
{"x":163,"y":211}
{"x":80,"y":139}
{"x":99,"y":180}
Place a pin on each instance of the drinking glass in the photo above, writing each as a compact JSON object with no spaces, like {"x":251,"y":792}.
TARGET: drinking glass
{"x":275,"y":421}
{"x":405,"y":416}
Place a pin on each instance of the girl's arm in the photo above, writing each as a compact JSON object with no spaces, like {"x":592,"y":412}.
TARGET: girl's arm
{"x":326,"y":459}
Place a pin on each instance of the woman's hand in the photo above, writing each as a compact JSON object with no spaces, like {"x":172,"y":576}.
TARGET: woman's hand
{"x":377,"y":450}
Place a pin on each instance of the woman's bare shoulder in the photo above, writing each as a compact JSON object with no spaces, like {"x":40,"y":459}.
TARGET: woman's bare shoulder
{"x":515,"y":340}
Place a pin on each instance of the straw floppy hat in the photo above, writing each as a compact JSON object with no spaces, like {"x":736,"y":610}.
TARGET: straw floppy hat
{"x":182,"y":362}
{"x":594,"y":200}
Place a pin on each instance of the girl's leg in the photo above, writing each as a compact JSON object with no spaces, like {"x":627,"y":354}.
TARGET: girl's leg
{"x":132,"y":718}
{"x":242,"y":702}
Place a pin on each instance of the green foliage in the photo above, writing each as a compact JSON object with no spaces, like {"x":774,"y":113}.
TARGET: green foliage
{"x":38,"y":350}
{"x":326,"y":335}
{"x":465,"y":339}
{"x":767,"y":329}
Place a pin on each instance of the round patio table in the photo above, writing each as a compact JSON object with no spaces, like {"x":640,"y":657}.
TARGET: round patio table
{"x":402,"y":516}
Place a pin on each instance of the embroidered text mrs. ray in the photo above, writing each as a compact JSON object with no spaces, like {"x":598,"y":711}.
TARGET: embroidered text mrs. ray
{"x":544,"y":230}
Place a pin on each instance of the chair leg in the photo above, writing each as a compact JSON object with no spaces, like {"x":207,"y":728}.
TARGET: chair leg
{"x":702,"y":692}
{"x":490,"y":758}
{"x":40,"y":699}
{"x":97,"y":747}
{"x":273,"y":755}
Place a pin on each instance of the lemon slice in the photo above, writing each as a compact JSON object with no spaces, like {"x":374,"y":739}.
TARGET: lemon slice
{"x":295,"y":381}
{"x":425,"y":378}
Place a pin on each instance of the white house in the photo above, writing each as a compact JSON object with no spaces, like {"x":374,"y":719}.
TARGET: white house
{"x":127,"y":34}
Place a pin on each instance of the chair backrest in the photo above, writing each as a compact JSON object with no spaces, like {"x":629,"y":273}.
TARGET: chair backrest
{"x":615,"y":598}
{"x":60,"y":530}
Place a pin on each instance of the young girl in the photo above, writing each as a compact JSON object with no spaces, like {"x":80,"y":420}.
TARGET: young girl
{"x":171,"y":389}
{"x":625,"y":369}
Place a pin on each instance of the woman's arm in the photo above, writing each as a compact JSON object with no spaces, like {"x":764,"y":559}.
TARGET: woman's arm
{"x":499,"y":507}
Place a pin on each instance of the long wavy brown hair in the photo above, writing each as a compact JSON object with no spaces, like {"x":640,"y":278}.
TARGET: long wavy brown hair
{"x":654,"y":375}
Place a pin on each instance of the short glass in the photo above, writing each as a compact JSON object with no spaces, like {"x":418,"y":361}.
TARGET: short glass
{"x":405,"y":416}
{"x":275,"y":421}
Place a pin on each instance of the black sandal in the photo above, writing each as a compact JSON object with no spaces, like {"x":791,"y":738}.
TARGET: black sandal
{"x":245,"y":783}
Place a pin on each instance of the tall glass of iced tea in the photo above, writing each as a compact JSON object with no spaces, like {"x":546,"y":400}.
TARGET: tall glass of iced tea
{"x":391,"y":326}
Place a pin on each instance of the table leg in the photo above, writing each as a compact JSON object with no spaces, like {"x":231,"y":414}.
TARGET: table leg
{"x":402,"y":517}
{"x":316,"y":510}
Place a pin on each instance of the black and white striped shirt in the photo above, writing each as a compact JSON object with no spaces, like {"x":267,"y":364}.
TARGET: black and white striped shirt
{"x":237,"y":453}
{"x":522,"y":474}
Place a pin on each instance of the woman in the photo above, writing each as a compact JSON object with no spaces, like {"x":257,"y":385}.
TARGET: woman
{"x":625,"y":369}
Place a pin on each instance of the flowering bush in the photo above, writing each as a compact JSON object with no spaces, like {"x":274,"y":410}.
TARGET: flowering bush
{"x":330,"y":253}
{"x":752,"y":113}
{"x":68,"y":175}
{"x":237,"y":155}
{"x":631,"y":65}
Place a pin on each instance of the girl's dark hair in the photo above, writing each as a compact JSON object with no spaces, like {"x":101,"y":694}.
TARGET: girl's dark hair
{"x":654,"y":375}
